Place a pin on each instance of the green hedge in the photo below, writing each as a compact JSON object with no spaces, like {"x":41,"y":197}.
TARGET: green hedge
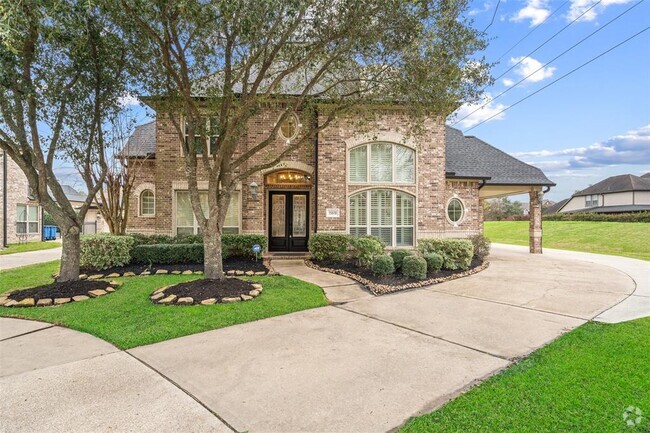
{"x":414,"y":267}
{"x":234,"y":245}
{"x":366,"y":249}
{"x":481,"y":246}
{"x":632,"y":217}
{"x":332,"y":247}
{"x":103,"y":251}
{"x":166,"y":254}
{"x":434,"y":262}
{"x":456,"y":253}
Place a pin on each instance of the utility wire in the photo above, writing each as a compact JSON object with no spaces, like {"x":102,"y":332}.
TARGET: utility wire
{"x":493,"y":16}
{"x":560,"y":78}
{"x":550,"y":61}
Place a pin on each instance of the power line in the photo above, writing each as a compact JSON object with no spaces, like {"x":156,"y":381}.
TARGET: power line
{"x":550,"y":61}
{"x":532,"y":30}
{"x":493,"y":16}
{"x":560,"y":78}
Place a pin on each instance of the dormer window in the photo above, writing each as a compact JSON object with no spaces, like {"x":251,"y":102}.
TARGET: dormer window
{"x":211,"y":127}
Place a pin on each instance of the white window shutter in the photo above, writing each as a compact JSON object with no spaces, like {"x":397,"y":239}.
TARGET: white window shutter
{"x":359,"y":164}
{"x":381,"y":162}
{"x":404,"y":164}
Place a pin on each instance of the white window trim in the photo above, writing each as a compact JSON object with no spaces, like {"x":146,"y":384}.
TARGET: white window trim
{"x":463,"y":211}
{"x":590,"y":200}
{"x":28,"y":221}
{"x":393,"y":225}
{"x":208,"y":146}
{"x":195,"y":227}
{"x":140,"y":213}
{"x":295,"y":133}
{"x":369,"y":180}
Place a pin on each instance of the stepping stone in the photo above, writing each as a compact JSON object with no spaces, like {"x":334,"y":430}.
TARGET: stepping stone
{"x":96,"y":276}
{"x":27,"y":302}
{"x":44,"y":302}
{"x":168,"y":300}
{"x":209,"y":301}
{"x":129,"y":274}
{"x":80,"y":298}
{"x":186,"y":300}
{"x":162,"y":272}
{"x":246,"y":298}
{"x":187,"y":272}
{"x":97,"y":293}
{"x":176,"y":272}
{"x":230,"y":300}
{"x":113,"y":275}
{"x":254,"y":293}
{"x":109,"y":289}
{"x":61,"y":301}
{"x":157,"y":296}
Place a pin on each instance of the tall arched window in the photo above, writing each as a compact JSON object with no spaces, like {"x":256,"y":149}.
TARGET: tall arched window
{"x":384,"y":213}
{"x":382,"y":163}
{"x":147,"y":203}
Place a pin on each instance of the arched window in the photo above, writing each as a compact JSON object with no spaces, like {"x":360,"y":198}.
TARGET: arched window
{"x":384,"y":213}
{"x":147,"y":203}
{"x":455,"y":210}
{"x":382,"y":163}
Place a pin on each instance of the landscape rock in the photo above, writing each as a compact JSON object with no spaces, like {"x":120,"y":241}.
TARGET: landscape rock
{"x":198,"y":272}
{"x":176,"y":272}
{"x":61,"y":301}
{"x":115,"y":283}
{"x":186,"y":300}
{"x":187,"y":272}
{"x":162,"y":272}
{"x":109,"y":289}
{"x":260,"y":273}
{"x":96,"y":276}
{"x":145,"y":273}
{"x":168,"y":300}
{"x":160,"y":290}
{"x":97,"y":293}
{"x":209,"y":301}
{"x":27,"y":302}
{"x":231,"y":272}
{"x":129,"y":274}
{"x":250,"y":273}
{"x":113,"y":275}
{"x":246,"y":298}
{"x":3,"y":300}
{"x":257,"y":286}
{"x":157,"y":296}
{"x":80,"y":298}
{"x":10,"y":303}
{"x":44,"y":302}
{"x":230,"y":300}
{"x":239,"y":272}
{"x":254,"y":293}
{"x":83,"y":276}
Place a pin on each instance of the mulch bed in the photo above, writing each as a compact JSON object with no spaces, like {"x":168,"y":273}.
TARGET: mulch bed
{"x":231,"y":264}
{"x":380,"y":285}
{"x":64,"y":292}
{"x":207,"y":292}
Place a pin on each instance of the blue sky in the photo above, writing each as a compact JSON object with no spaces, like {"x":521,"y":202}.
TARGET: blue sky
{"x":590,"y":125}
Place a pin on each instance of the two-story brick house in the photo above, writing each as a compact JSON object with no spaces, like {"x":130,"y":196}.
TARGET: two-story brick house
{"x":384,"y":181}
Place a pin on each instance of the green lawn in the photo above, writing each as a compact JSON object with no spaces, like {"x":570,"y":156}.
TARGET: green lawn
{"x":582,"y":382}
{"x":127,"y":318}
{"x":619,"y":239}
{"x":29,"y":246}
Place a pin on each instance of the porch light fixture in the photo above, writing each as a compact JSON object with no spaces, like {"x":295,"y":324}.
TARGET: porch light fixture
{"x":253,"y":189}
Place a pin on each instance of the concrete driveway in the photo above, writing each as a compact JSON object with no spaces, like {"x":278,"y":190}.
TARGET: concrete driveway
{"x":366,"y":364}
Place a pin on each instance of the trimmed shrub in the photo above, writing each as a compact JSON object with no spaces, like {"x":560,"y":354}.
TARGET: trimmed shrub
{"x":366,"y":249}
{"x":103,"y":251}
{"x":434,"y":262}
{"x":331,"y":247}
{"x":398,"y":257}
{"x":456,"y":253}
{"x":631,"y":217}
{"x":414,"y":267}
{"x":237,"y":245}
{"x":140,"y":239}
{"x":166,"y":254}
{"x":481,"y":246}
{"x":383,"y":265}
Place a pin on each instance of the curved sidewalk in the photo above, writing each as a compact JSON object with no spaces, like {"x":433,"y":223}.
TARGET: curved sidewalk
{"x":16,"y":260}
{"x":635,"y":306}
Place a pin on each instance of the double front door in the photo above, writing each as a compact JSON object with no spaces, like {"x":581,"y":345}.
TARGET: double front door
{"x":288,"y":221}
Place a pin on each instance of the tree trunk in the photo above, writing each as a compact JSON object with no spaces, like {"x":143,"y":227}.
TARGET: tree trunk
{"x":213,"y":260}
{"x":71,"y":254}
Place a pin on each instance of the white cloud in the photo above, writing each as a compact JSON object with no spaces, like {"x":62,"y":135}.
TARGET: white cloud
{"x":128,"y":100}
{"x":490,"y":109}
{"x":580,"y":6}
{"x":477,"y":11}
{"x":528,"y":65}
{"x":508,"y":82}
{"x":536,"y":11}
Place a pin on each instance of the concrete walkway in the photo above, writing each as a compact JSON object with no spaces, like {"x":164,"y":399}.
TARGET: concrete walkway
{"x":9,"y":261}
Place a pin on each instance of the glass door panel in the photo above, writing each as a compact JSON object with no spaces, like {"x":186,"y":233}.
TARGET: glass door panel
{"x":278,"y":217}
{"x":299,"y":215}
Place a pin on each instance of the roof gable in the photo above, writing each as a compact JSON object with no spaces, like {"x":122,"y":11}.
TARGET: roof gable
{"x":621,"y":183}
{"x":142,"y":142}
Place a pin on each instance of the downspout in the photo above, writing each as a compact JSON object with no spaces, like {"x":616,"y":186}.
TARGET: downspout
{"x":4,"y":200}
{"x":483,"y":182}
{"x":546,"y":189}
{"x":315,"y":179}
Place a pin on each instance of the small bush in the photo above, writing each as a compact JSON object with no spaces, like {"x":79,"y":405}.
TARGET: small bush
{"x":140,"y":239}
{"x":166,"y":254}
{"x":235,"y":245}
{"x":434,"y":262}
{"x":103,"y":251}
{"x":631,"y":217}
{"x":456,"y":253}
{"x":398,"y":257}
{"x":481,"y":246}
{"x":383,"y":265}
{"x":332,"y":247}
{"x":414,"y":267}
{"x":366,"y":249}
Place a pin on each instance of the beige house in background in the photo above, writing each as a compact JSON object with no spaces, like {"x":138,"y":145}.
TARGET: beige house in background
{"x":616,"y":194}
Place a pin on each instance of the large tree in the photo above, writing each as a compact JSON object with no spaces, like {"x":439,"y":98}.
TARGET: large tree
{"x":61,"y":76}
{"x":231,"y":59}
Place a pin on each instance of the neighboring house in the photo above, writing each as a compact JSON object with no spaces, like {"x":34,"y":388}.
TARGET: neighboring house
{"x":93,"y":222}
{"x":20,"y":217}
{"x":555,"y":207}
{"x":616,"y":194}
{"x":383,"y":182}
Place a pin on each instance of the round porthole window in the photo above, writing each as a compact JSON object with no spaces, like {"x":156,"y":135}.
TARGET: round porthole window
{"x":455,"y":210}
{"x":289,"y":127}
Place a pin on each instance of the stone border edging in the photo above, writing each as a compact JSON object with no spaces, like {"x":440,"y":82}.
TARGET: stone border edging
{"x":381,"y":289}
{"x":159,"y":298}
{"x":49,"y":302}
{"x":145,"y":273}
